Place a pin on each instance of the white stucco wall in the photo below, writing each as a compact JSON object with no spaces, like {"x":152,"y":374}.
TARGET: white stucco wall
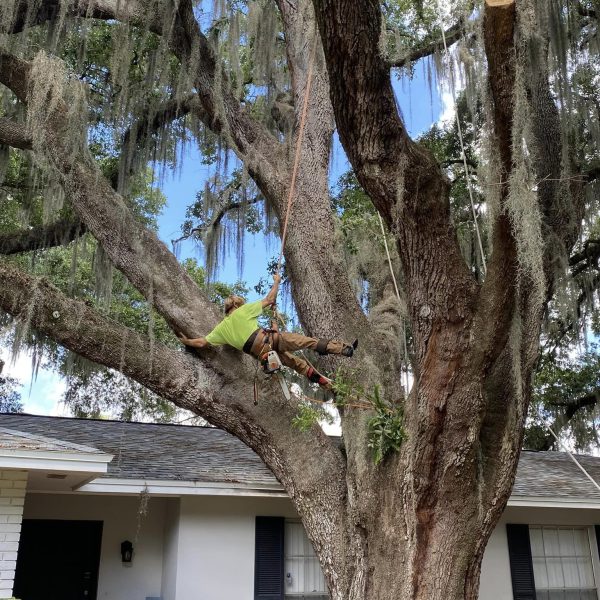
{"x":12,"y":495}
{"x":495,"y":570}
{"x":215,"y":551}
{"x":202,"y":548}
{"x":120,"y":515}
{"x":171,"y":543}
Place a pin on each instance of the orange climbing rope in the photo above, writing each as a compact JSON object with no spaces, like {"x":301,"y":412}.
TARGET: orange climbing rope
{"x":298,"y":150}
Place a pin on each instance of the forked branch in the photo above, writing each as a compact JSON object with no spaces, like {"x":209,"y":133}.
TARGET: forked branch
{"x":429,"y":47}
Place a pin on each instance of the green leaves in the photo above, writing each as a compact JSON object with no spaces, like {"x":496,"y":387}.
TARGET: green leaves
{"x":385,"y":428}
{"x":10,"y":398}
{"x":566,"y":392}
{"x":310,"y":414}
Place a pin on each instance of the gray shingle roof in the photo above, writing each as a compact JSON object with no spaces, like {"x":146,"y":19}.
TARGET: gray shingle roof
{"x":555,"y":475}
{"x":19,"y":440}
{"x":204,"y":454}
{"x":149,"y":451}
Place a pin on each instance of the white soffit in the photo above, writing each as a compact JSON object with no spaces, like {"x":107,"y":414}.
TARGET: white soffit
{"x":554,"y":502}
{"x":105,"y":485}
{"x":52,"y":460}
{"x":21,"y":450}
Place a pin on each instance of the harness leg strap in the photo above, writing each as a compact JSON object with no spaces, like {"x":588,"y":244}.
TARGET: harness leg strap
{"x":322,"y":347}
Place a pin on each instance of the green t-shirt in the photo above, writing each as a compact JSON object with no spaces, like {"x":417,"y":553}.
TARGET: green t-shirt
{"x":236,"y":328}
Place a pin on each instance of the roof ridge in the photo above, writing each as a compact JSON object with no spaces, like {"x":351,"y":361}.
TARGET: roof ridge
{"x":558,"y":452}
{"x":95,"y":420}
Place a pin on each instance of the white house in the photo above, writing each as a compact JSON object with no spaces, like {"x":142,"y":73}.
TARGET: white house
{"x":129,"y":511}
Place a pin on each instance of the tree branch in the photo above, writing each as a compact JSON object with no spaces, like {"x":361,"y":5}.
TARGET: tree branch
{"x":403,"y":180}
{"x":216,"y":218}
{"x":48,"y":10}
{"x":131,"y":247}
{"x":592,"y":174}
{"x":459,"y":161}
{"x":573,"y":407}
{"x":154,"y":119}
{"x":453,"y":34}
{"x":585,"y":258}
{"x":48,"y":311}
{"x":261,"y":152}
{"x":59,"y":233}
{"x":215,"y":388}
{"x":14,"y":134}
{"x":497,"y":299}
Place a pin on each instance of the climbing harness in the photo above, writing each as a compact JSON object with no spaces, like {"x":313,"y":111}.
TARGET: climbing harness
{"x":271,"y":365}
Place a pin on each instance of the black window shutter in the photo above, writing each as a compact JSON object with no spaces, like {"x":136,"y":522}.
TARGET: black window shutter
{"x":268,"y":559}
{"x":521,"y":566}
{"x":597,"y":528}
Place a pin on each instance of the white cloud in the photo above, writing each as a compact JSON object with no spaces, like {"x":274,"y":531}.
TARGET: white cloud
{"x":448,"y":107}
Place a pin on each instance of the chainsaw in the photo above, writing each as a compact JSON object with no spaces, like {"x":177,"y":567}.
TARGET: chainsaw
{"x":272,"y":365}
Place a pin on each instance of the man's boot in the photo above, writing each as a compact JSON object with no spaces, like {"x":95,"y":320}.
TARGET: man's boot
{"x":349,"y":350}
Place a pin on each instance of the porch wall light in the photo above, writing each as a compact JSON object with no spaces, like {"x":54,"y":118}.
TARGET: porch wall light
{"x":126,"y":552}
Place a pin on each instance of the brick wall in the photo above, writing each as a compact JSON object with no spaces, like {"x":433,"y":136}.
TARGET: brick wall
{"x":12,"y":498}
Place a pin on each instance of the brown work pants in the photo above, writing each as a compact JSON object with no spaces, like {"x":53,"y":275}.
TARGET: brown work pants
{"x":284,"y":343}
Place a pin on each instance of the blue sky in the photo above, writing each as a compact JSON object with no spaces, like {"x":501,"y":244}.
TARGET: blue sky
{"x":420,"y":107}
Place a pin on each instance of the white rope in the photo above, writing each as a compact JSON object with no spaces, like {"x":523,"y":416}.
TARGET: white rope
{"x":464,"y":157}
{"x":389,"y":259}
{"x":561,"y":445}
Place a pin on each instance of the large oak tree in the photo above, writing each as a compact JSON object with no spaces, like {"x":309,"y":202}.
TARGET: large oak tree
{"x":414,"y":525}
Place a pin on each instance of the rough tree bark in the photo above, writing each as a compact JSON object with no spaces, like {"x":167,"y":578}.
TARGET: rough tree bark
{"x":415,"y":526}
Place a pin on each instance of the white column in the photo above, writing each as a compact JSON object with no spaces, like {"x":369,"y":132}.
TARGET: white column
{"x":12,"y":497}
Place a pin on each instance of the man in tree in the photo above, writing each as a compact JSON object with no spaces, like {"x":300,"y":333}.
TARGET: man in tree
{"x":241,"y":330}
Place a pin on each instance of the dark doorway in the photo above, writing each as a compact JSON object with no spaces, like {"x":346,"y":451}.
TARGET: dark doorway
{"x":58,"y":560}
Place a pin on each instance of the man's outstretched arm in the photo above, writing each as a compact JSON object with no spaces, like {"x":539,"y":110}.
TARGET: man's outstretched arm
{"x":271,"y":297}
{"x":193,"y":342}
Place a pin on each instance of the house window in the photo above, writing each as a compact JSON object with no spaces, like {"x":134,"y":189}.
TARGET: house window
{"x":303,"y":575}
{"x":562,"y":563}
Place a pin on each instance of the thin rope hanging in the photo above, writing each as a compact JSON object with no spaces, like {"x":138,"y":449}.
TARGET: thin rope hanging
{"x":389,"y":259}
{"x":298,"y":150}
{"x":464,"y":155}
{"x":483,"y":262}
{"x":561,"y":445}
